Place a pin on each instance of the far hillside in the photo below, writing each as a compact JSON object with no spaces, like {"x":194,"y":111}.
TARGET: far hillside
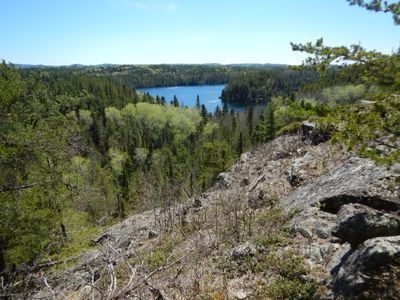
{"x":140,"y":76}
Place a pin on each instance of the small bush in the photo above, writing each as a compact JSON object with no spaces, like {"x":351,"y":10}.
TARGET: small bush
{"x":161,"y":254}
{"x":291,"y":289}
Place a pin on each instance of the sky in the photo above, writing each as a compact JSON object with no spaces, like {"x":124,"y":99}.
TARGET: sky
{"x":64,"y":32}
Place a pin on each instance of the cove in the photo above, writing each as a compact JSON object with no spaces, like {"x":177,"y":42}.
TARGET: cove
{"x":209,"y":95}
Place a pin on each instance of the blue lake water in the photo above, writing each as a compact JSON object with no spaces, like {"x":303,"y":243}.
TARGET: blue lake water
{"x":209,"y":95}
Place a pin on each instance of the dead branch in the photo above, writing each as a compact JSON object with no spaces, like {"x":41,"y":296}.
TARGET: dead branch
{"x":48,"y":286}
{"x":133,"y":270}
{"x":146,"y":278}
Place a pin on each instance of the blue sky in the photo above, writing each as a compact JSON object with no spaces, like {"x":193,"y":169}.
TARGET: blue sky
{"x":60,"y":32}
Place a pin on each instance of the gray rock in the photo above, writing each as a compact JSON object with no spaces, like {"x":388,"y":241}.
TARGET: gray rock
{"x":243,"y":250}
{"x":364,"y":266}
{"x":313,"y":254}
{"x":340,"y":253}
{"x":357,"y":180}
{"x":358,"y":223}
{"x":305,"y":232}
{"x":313,"y":223}
{"x":153,"y":234}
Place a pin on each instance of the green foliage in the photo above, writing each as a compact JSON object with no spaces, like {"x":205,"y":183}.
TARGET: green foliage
{"x":340,"y":95}
{"x":73,"y":146}
{"x":260,"y":86}
{"x":155,"y":259}
{"x":369,"y":127}
{"x":160,"y":255}
{"x":291,"y":289}
{"x":267,"y":126}
{"x":33,"y":143}
{"x":372,"y":126}
{"x":372,"y":67}
{"x":288,"y":267}
{"x":215,"y":157}
{"x":81,"y":231}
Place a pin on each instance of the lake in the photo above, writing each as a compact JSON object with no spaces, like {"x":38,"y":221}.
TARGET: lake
{"x":209,"y":95}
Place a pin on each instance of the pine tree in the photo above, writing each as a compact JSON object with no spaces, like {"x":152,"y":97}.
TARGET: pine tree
{"x":204,"y":114}
{"x":270,"y":121}
{"x":239,"y":148}
{"x":198,"y":105}
{"x":175,"y":101}
{"x":250,"y":116}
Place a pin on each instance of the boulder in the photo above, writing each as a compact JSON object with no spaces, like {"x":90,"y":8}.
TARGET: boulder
{"x":357,"y":180}
{"x":364,"y":269}
{"x":243,"y":250}
{"x":358,"y":223}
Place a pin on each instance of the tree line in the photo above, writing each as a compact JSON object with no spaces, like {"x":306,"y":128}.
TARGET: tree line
{"x":143,"y":76}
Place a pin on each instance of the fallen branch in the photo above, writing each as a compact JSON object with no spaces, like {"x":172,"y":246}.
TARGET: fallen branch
{"x":146,"y":278}
{"x":48,"y":286}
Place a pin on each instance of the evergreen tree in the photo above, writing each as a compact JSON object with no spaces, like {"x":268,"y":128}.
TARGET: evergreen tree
{"x":175,"y":101}
{"x":270,"y":121}
{"x":198,"y":105}
{"x":250,"y":117}
{"x":204,"y":114}
{"x":239,"y":147}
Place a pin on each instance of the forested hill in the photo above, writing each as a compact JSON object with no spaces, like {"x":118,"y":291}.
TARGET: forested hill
{"x":260,"y":85}
{"x":138,"y":76}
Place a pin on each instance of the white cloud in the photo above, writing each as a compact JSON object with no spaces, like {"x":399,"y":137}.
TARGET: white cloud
{"x":172,"y":7}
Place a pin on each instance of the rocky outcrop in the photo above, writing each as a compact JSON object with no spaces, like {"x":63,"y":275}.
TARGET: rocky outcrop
{"x":345,"y":224}
{"x":358,"y":223}
{"x":357,"y":180}
{"x":362,"y":275}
